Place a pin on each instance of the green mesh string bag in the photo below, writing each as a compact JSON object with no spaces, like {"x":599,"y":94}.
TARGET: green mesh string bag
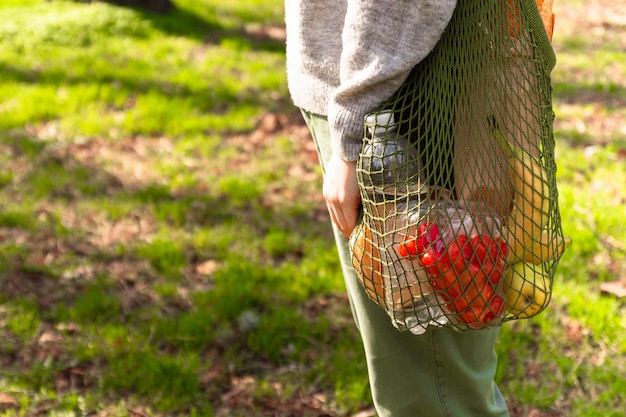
{"x":461,"y":225}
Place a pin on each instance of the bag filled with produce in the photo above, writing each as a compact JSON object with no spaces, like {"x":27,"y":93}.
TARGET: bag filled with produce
{"x":461,"y":225}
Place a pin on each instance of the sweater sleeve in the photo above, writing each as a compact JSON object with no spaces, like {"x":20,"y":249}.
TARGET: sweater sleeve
{"x":382,"y":41}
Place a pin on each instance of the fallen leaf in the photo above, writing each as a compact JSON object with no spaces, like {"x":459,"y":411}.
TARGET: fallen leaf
{"x":7,"y":401}
{"x":616,"y":288}
{"x":207,"y":268}
{"x":370,"y":412}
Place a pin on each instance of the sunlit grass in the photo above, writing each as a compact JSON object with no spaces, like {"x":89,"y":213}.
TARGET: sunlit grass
{"x":152,"y":249}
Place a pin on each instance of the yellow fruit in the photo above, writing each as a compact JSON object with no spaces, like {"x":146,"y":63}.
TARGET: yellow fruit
{"x":531,"y":199}
{"x":366,"y":262}
{"x":547,"y":248}
{"x":527,"y":289}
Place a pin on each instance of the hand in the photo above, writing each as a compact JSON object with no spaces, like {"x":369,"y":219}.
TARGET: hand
{"x":342,"y":195}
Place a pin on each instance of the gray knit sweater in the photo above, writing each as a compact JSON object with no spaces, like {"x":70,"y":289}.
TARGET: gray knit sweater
{"x":345,"y":57}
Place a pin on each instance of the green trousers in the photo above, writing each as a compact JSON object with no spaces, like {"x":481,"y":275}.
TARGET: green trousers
{"x":442,"y":373}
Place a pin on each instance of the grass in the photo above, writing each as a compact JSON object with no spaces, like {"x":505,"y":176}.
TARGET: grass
{"x":164,"y":249}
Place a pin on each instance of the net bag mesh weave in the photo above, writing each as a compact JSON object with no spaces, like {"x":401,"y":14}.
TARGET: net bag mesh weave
{"x":461,"y":226}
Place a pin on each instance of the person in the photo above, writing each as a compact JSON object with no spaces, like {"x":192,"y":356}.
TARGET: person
{"x":344,"y":58}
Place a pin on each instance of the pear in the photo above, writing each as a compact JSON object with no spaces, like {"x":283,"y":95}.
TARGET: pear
{"x":527,"y":289}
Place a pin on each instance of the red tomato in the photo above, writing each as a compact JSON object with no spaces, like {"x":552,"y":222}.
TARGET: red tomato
{"x":479,"y":304}
{"x":461,"y":252}
{"x":504,"y":248}
{"x":474,"y":311}
{"x":464,"y":310}
{"x":487,"y":290}
{"x":427,"y":234}
{"x":453,"y":285}
{"x":496,"y":274}
{"x":489,"y":256}
{"x":409,"y":246}
{"x":465,"y":274}
{"x":448,"y":288}
{"x":422,"y":237}
{"x":469,"y":277}
{"x":493,"y":310}
{"x":480,"y":250}
{"x":433,"y":232}
{"x":429,"y":260}
{"x":487,"y":247}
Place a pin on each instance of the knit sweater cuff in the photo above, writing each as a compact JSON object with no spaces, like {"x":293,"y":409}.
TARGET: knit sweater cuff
{"x":346,"y":132}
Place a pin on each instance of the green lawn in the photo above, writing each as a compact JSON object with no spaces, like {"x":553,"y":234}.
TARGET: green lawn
{"x":165,"y":251}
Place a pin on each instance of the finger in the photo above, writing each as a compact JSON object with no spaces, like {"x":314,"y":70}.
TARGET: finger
{"x":351,"y":215}
{"x":338,"y":218}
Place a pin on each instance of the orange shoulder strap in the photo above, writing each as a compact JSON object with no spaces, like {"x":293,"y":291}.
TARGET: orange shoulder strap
{"x":547,"y":14}
{"x":545,"y":9}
